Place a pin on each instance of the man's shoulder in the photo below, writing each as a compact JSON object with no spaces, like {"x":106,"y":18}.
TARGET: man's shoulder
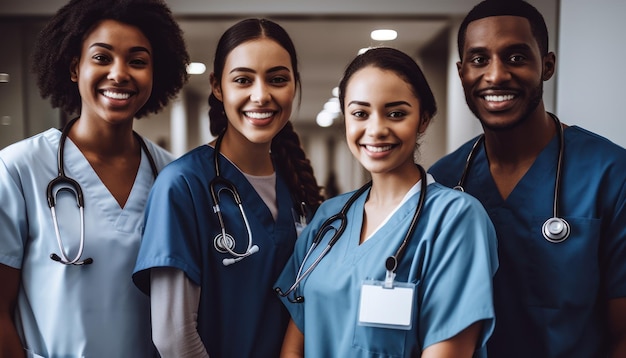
{"x":587,"y":144}
{"x":449,"y":168}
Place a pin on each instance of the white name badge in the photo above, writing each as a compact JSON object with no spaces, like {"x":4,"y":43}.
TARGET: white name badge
{"x":386,"y":307}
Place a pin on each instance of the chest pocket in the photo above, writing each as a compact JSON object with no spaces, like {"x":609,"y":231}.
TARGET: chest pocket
{"x":388,"y":342}
{"x":566,"y":274}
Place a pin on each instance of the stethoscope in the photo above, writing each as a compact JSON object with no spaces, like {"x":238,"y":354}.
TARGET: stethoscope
{"x":224,"y":242}
{"x":72,"y":186}
{"x":391,"y":263}
{"x":555,"y":229}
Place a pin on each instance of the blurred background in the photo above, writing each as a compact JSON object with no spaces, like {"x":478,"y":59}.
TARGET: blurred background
{"x":586,"y":36}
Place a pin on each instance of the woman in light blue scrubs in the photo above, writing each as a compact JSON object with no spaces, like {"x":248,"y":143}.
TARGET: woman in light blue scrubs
{"x":437,"y":301}
{"x":209,"y":296}
{"x":109,"y":62}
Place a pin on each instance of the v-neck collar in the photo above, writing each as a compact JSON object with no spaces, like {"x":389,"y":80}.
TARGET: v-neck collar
{"x":96,"y":194}
{"x":541,"y":170}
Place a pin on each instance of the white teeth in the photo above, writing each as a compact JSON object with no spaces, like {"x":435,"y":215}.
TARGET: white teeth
{"x":493,"y":98}
{"x":374,"y":149}
{"x":259,"y":115}
{"x":116,"y":95}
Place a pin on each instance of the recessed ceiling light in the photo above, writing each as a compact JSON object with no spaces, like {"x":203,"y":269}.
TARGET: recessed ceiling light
{"x":384,"y":35}
{"x":196,"y":68}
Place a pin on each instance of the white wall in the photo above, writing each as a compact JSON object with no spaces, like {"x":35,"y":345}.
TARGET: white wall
{"x":591,"y":70}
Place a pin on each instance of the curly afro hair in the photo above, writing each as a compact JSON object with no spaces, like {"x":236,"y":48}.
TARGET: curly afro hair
{"x":61,"y":40}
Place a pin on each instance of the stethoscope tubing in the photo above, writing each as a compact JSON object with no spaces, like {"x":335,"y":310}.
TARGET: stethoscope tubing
{"x":224,"y":242}
{"x":75,"y":188}
{"x":391,"y":263}
{"x":554,"y":229}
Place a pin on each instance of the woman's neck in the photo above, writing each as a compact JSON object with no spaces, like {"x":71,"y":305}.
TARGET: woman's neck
{"x":104,"y":139}
{"x":251,"y":158}
{"x":388,"y":189}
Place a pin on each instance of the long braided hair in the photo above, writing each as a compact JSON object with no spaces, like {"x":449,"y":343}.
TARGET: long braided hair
{"x":289,"y":157}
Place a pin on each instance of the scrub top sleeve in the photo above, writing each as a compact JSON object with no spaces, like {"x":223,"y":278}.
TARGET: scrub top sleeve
{"x":13,"y":223}
{"x":615,"y":252}
{"x":457,"y":283}
{"x":289,"y":273}
{"x":170,"y":232}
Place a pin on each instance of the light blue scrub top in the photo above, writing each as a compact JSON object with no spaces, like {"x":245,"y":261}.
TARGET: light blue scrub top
{"x":551,"y":298}
{"x":239,"y":315}
{"x":74,"y":311}
{"x":451,"y":257}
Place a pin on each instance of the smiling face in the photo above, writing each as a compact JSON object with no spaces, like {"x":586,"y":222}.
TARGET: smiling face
{"x":502,"y":71}
{"x":257,"y":89}
{"x":383,"y":120}
{"x":114,"y":72}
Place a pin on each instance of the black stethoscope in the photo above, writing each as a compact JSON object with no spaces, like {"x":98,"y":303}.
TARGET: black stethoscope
{"x":391,"y":264}
{"x":224,"y":242}
{"x":72,"y":186}
{"x":555,"y":229}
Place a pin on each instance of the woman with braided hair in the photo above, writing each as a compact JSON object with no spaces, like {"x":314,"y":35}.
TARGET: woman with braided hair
{"x":222,"y":220}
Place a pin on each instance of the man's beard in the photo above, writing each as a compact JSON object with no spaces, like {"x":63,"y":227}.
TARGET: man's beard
{"x":535,"y":98}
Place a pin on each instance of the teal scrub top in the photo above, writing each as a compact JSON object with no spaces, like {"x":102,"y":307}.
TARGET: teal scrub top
{"x":451,"y":258}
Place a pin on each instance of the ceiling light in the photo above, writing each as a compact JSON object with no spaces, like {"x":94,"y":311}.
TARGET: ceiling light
{"x":325,"y":119}
{"x":332,"y":105}
{"x":196,"y":68}
{"x":384,"y":35}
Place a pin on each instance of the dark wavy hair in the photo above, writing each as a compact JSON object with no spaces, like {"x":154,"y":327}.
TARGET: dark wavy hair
{"x":403,"y":65}
{"x":289,"y":157}
{"x":519,"y":8}
{"x":61,"y":41}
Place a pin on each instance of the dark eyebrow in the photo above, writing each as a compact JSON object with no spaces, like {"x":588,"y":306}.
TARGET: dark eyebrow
{"x":359,"y":103}
{"x":514,"y":47}
{"x":100,"y":44}
{"x":399,"y":103}
{"x":273,"y":69}
{"x":139,"y":49}
{"x":110,"y":48}
{"x":387,"y":105}
{"x":475,"y":50}
{"x":519,"y":47}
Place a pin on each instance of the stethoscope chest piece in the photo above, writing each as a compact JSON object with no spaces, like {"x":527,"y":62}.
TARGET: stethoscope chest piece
{"x":223,"y":243}
{"x":555,"y":230}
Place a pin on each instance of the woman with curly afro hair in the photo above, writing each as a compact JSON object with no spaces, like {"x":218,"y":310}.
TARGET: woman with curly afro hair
{"x":66,"y":269}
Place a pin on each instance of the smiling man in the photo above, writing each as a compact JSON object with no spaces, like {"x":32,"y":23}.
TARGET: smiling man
{"x":555,"y":193}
